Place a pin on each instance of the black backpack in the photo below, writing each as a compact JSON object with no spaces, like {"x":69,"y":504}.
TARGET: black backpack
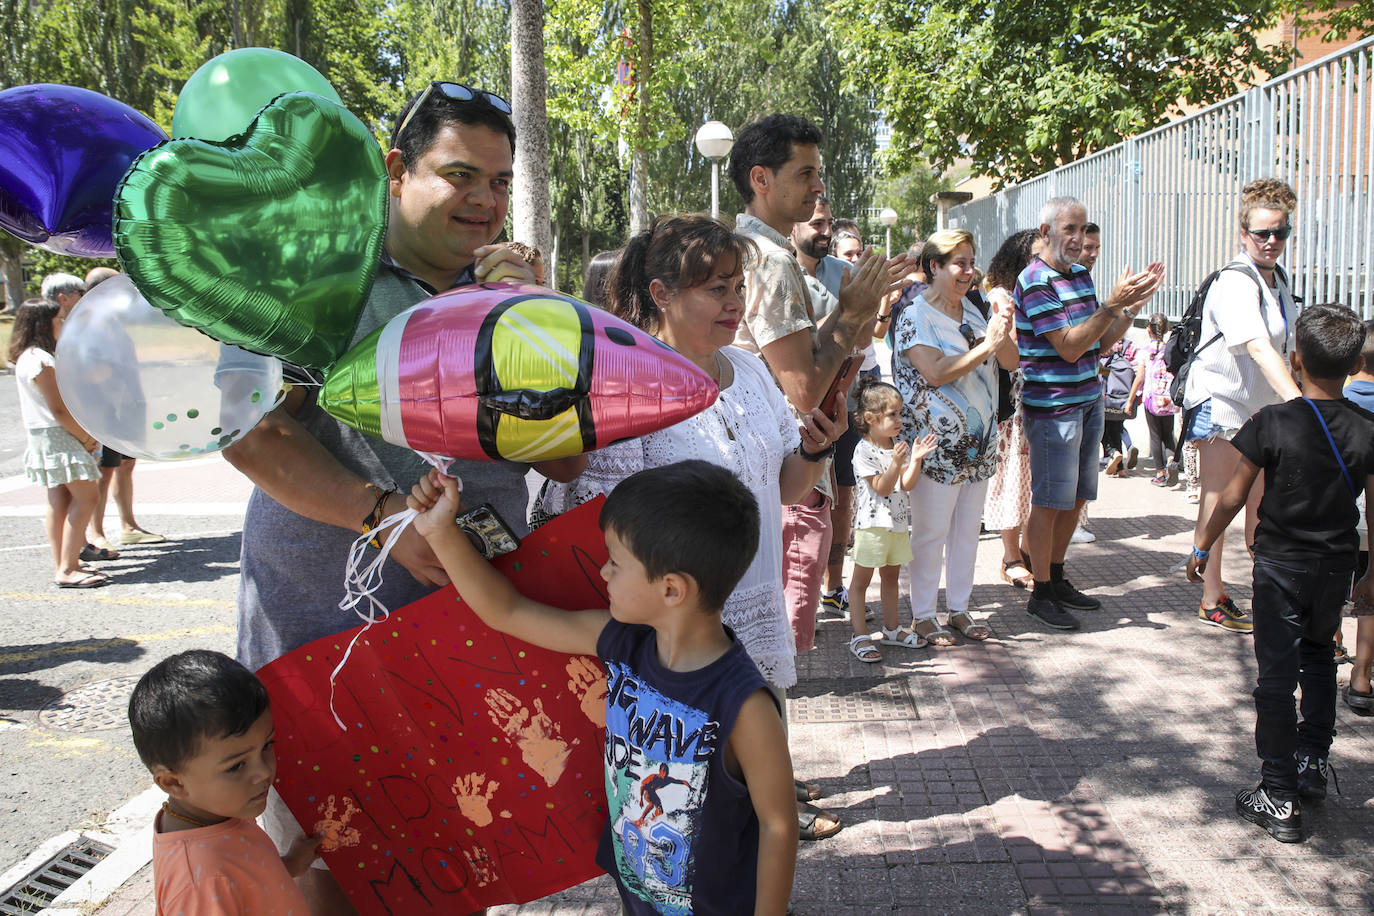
{"x":1182,"y":347}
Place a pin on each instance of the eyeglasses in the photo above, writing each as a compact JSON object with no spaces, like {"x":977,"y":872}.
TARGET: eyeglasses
{"x":1282,"y":233}
{"x":970,"y":338}
{"x":456,"y":91}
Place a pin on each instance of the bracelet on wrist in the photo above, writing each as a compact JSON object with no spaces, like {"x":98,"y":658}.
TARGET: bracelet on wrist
{"x":374,"y":518}
{"x":885,"y":317}
{"x":1200,"y":554}
{"x":816,"y":457}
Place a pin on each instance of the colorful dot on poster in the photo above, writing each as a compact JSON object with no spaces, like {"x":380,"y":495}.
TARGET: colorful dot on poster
{"x":374,"y":748}
{"x":357,"y":757}
{"x":543,"y":553}
{"x":505,"y":760}
{"x":216,"y":431}
{"x":192,"y":413}
{"x":395,"y":635}
{"x":309,"y":659}
{"x":521,"y":653}
{"x":157,"y":424}
{"x":519,"y":775}
{"x":468,"y":831}
{"x":469,"y":642}
{"x":515,"y":566}
{"x":548,"y":804}
{"x":171,"y":418}
{"x":522,"y":682}
{"x":255,"y":396}
{"x":316,"y":768}
{"x":559,"y":860}
{"x":361,"y":865}
{"x":311,"y":798}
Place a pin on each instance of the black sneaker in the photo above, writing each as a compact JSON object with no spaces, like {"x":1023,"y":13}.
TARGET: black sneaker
{"x":1051,"y":614}
{"x":1068,"y":596}
{"x":836,"y":602}
{"x":1313,"y":771}
{"x":1172,"y":471}
{"x":1282,"y":819}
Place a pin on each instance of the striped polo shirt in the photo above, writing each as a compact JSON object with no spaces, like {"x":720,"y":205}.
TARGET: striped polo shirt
{"x":1046,"y":301}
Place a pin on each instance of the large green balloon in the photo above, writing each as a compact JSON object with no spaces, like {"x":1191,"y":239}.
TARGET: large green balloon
{"x":227,"y":92}
{"x":269,"y":241}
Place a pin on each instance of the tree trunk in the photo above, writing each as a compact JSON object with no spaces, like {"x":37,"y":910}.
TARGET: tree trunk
{"x":528,"y":80}
{"x":12,"y":271}
{"x":639,"y":160}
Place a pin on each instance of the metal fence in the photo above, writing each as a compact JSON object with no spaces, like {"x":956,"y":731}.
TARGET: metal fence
{"x":1172,"y":194}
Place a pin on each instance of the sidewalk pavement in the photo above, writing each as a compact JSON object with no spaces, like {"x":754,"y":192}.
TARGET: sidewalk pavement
{"x":1048,"y":772}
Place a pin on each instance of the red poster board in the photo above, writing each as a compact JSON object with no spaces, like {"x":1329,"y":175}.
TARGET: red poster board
{"x":470,"y":773}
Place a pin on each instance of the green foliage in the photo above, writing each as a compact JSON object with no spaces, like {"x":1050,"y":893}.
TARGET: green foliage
{"x":909,"y":194}
{"x":1020,"y":89}
{"x":1333,"y":20}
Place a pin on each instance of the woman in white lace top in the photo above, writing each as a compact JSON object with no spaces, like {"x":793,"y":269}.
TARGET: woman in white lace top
{"x":682,"y":280}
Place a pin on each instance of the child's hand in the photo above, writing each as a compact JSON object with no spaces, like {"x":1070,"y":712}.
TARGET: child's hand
{"x":922,"y":447}
{"x":1196,"y":567}
{"x":435,"y":497}
{"x":302,"y":852}
{"x":900,"y":453}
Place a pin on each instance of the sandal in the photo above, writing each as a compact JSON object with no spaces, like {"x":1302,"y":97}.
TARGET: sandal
{"x":862,"y":648}
{"x":806,"y":791}
{"x":1025,"y":561}
{"x":901,"y":636}
{"x":1022,"y":579}
{"x":971,"y":628}
{"x":807,"y":815}
{"x":90,"y":580}
{"x":91,"y":552}
{"x":934,"y":635}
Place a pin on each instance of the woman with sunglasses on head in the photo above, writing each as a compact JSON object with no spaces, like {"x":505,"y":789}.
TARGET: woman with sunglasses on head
{"x":1241,"y":365}
{"x":945,"y":353}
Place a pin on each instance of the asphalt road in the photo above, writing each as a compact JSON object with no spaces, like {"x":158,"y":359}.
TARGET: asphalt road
{"x":69,"y":658}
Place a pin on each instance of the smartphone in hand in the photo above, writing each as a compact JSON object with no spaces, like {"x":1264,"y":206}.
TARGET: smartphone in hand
{"x":839,"y":389}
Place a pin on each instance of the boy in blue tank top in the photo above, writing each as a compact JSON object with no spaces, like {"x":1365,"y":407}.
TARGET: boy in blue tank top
{"x":703,"y":816}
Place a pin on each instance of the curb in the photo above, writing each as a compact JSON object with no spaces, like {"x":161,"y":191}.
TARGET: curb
{"x":129,"y":830}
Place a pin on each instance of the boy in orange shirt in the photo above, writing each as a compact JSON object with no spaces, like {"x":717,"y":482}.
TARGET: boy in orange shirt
{"x":202,"y":725}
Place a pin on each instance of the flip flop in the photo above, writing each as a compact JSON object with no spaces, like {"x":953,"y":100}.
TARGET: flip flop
{"x":972,"y":629}
{"x":93,"y":580}
{"x":806,"y":791}
{"x":807,"y":816}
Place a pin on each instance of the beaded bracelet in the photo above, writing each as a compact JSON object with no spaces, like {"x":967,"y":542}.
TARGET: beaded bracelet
{"x":374,"y":518}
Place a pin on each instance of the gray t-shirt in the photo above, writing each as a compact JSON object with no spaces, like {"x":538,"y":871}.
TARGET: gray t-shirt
{"x":293,"y":567}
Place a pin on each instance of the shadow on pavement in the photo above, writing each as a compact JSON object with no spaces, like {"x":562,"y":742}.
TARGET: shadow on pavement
{"x":40,"y":656}
{"x":24,"y":693}
{"x":194,"y":559}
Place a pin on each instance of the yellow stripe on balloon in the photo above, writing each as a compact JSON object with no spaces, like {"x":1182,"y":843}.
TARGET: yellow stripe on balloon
{"x":549,"y":328}
{"x":535,"y":440}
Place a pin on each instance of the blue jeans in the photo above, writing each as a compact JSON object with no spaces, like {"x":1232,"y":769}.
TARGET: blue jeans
{"x":1296,"y":610}
{"x":1063,"y":455}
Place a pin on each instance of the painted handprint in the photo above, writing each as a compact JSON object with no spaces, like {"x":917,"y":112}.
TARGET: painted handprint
{"x":472,"y":801}
{"x":337,"y":833}
{"x":479,"y":860}
{"x":541,"y":745}
{"x":587,"y":681}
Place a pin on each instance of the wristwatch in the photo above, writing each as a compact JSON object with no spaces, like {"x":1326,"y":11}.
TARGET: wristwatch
{"x":816,"y":457}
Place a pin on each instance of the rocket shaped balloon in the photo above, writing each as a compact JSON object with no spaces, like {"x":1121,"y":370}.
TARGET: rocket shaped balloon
{"x":507,"y":371}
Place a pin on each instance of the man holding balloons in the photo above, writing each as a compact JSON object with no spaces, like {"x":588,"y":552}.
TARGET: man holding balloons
{"x":319,"y":482}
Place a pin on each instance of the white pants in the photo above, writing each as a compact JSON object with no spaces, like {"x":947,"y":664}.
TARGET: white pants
{"x":944,"y":532}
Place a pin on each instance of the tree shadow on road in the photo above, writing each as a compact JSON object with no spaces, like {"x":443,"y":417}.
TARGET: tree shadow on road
{"x":206,"y":558}
{"x":41,"y":656}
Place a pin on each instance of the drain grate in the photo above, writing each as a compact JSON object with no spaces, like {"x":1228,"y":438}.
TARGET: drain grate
{"x":36,"y":891}
{"x":91,"y":707}
{"x":850,"y":700}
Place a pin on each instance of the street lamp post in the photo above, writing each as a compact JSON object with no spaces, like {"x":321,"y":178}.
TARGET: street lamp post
{"x":714,"y":140}
{"x":888,"y":217}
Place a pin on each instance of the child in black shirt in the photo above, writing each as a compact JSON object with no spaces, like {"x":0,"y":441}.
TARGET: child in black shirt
{"x":1317,"y":453}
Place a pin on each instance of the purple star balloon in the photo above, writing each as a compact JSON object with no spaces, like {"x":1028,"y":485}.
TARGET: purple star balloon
{"x":63,"y":151}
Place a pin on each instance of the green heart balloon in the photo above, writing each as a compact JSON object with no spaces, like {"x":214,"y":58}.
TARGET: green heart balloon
{"x":268,"y":240}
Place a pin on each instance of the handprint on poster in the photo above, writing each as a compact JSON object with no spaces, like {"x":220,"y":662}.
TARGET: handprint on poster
{"x":470,"y":771}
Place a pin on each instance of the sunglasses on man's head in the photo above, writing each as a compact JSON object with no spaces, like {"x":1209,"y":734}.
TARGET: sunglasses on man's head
{"x":456,"y":91}
{"x":1282,"y":233}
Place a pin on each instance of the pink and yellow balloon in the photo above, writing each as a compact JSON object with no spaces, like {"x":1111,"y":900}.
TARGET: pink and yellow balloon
{"x":505,"y":371}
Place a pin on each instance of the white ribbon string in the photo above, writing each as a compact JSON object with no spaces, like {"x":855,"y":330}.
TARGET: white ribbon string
{"x":361,"y":582}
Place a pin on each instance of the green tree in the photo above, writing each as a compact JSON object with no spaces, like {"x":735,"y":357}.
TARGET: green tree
{"x":1333,"y":20}
{"x":909,"y":194}
{"x":1019,"y":89}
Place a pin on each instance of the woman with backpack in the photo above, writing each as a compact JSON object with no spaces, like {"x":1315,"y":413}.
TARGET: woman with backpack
{"x":1239,"y":366}
{"x":1160,"y":409}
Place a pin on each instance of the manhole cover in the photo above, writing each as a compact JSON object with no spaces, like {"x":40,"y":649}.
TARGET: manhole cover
{"x":848,"y":700}
{"x":91,"y":707}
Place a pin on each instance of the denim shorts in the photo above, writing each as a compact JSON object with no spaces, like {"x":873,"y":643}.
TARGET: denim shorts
{"x":1063,"y":455}
{"x":1200,"y":426}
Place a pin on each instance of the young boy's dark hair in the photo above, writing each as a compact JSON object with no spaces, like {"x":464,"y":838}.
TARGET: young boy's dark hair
{"x":692,"y":517}
{"x":1368,"y":350}
{"x":768,"y":142}
{"x":189,"y":697}
{"x":1331,"y":338}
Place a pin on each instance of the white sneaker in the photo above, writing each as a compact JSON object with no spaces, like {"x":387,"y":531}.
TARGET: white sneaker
{"x":1082,"y":535}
